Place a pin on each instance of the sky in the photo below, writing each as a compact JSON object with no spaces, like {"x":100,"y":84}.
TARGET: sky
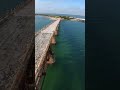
{"x":73,"y":7}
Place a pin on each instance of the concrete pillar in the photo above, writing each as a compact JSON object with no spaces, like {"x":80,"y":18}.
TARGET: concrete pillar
{"x":53,"y":41}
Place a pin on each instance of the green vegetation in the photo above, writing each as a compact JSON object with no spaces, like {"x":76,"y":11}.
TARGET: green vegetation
{"x":64,"y":17}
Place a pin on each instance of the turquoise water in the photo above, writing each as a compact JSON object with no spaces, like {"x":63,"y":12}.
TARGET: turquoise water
{"x":40,"y":22}
{"x":68,"y":72}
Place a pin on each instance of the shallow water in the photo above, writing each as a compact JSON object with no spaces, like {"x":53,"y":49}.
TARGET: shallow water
{"x":40,"y":22}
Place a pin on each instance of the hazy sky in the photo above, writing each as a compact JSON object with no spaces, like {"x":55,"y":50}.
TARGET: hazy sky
{"x":75,"y":7}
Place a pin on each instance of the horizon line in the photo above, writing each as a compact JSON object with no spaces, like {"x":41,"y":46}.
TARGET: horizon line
{"x":60,"y":13}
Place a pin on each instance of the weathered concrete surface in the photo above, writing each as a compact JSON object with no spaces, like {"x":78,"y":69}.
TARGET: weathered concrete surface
{"x":16,"y":43}
{"x":42,"y":42}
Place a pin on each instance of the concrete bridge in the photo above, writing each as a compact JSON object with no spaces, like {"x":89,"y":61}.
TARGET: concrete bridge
{"x":17,"y":48}
{"x":43,"y":54}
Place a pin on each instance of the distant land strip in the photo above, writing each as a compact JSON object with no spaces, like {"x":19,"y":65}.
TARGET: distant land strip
{"x":63,"y":17}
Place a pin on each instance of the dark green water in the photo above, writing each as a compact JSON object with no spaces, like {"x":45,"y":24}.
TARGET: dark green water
{"x":68,"y":72}
{"x":40,"y":22}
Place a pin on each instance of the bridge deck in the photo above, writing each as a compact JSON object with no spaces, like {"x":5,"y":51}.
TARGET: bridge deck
{"x":16,"y":39}
{"x":42,"y":42}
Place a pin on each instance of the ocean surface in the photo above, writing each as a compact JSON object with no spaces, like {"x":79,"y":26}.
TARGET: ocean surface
{"x":68,"y":71}
{"x":40,"y":22}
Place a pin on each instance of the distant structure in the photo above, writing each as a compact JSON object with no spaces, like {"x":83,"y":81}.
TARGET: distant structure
{"x":63,"y":17}
{"x":78,"y":19}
